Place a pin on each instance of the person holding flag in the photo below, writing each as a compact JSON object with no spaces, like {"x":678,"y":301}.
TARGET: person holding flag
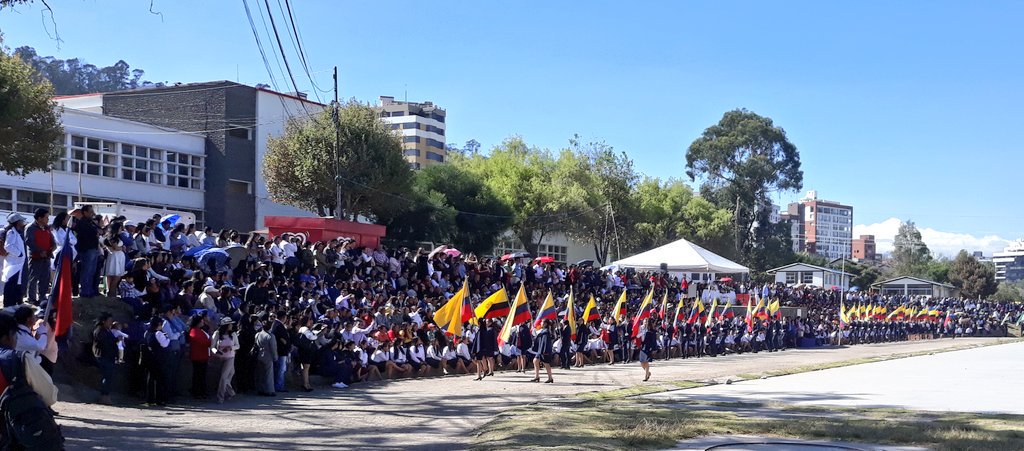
{"x":643,"y":313}
{"x":518,"y":314}
{"x":619,"y":311}
{"x":647,"y":347}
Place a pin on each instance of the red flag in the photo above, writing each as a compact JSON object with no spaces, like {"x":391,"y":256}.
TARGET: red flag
{"x":60,"y":295}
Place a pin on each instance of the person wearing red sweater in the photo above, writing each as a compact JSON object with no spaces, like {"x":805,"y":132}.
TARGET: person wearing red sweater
{"x":41,"y":246}
{"x":199,"y":354}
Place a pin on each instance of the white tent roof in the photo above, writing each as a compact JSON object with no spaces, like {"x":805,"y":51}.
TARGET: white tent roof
{"x":682,"y":255}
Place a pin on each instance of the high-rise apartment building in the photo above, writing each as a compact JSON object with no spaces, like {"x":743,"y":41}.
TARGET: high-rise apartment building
{"x":821,"y":227}
{"x":1010,"y":262}
{"x":422,"y":128}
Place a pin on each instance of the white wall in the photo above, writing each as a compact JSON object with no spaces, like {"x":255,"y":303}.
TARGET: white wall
{"x":272,"y":113}
{"x":122,"y":131}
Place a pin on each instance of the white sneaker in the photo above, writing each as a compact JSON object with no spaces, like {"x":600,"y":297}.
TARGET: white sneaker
{"x":339,"y":385}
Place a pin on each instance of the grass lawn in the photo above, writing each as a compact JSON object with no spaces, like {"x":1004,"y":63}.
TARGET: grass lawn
{"x":617,"y":419}
{"x":617,"y":423}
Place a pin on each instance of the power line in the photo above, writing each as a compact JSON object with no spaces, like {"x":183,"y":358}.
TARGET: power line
{"x":280,"y":46}
{"x":302,"y":50}
{"x":259,"y":44}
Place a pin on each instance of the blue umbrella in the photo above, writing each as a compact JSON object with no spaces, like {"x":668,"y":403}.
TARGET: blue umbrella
{"x":198,"y":249}
{"x":854,"y":289}
{"x":218,"y":255}
{"x":172,"y":218}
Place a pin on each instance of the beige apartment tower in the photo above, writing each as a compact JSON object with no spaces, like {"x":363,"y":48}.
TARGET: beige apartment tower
{"x":421,"y":126}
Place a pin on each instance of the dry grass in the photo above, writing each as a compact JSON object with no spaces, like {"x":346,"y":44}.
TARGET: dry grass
{"x":634,"y":423}
{"x":618,"y":419}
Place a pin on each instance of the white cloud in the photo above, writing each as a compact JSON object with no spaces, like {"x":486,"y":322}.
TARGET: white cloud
{"x":939,"y":242}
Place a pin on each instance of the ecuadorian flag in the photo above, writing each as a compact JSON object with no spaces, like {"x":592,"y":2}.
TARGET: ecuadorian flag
{"x":547,"y":311}
{"x":495,"y":306}
{"x":518,"y":313}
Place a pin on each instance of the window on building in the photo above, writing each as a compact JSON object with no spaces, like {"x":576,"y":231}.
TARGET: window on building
{"x":410,"y":139}
{"x":411,"y":152}
{"x":240,"y":132}
{"x":790,"y":278}
{"x":396,"y":126}
{"x":506,"y":247}
{"x":807,"y":277}
{"x":239,"y":187}
{"x":93,"y":156}
{"x":28,"y":201}
{"x":435,"y":143}
{"x":414,"y":165}
{"x":6,"y":199}
{"x":411,"y":125}
{"x":184,"y":170}
{"x":559,"y":253}
{"x":435,"y":156}
{"x":437,"y":117}
{"x":141,"y":164}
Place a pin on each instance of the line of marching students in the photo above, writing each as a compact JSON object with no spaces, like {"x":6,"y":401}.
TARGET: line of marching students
{"x":686,"y":328}
{"x":560,"y":333}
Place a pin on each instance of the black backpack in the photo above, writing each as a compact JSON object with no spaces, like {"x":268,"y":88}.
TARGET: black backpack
{"x":27,"y":419}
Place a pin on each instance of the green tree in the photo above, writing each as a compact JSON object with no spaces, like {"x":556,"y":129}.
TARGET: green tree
{"x":669,"y":210}
{"x":740,"y":161}
{"x":976,"y":280}
{"x":862,"y":275}
{"x":1009,"y":292}
{"x":524,"y":179}
{"x":478,"y":216}
{"x":938,"y":269}
{"x":74,"y":76}
{"x":910,"y":254}
{"x":303,"y":169}
{"x":606,"y":180}
{"x":30,"y":130}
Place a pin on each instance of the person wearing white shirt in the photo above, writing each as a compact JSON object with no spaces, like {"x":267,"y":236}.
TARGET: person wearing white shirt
{"x":465,"y":358}
{"x":437,"y":358}
{"x":418,"y":358}
{"x":12,"y":276}
{"x":451,"y":354}
{"x":381,"y":358}
{"x":31,"y":343}
{"x":276,"y":255}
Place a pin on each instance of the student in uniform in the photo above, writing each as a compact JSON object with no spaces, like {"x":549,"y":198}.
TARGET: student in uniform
{"x":524,"y":343}
{"x":647,"y":348}
{"x":543,"y":348}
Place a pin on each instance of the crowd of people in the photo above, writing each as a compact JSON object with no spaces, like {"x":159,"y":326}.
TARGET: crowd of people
{"x":245,"y":313}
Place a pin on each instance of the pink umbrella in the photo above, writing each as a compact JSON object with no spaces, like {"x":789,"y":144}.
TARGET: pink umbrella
{"x":545,"y":259}
{"x":453,"y":252}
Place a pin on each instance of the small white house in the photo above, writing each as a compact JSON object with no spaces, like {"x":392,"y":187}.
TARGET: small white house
{"x":811,"y":275}
{"x":913,"y":286}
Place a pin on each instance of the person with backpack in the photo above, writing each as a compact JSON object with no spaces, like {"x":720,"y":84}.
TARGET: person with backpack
{"x":26,"y":394}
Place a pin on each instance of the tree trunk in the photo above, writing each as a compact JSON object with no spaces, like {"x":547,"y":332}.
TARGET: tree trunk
{"x":526,"y":239}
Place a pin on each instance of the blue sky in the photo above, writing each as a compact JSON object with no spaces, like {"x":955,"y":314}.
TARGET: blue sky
{"x":901,"y":109}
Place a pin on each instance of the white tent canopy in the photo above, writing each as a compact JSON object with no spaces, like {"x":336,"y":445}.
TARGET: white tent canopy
{"x":682,"y":256}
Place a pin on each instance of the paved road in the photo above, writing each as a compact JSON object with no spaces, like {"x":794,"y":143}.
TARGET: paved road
{"x":981,"y":380}
{"x":438,"y":413}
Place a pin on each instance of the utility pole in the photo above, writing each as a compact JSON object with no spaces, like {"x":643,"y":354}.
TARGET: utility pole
{"x":336,"y":117}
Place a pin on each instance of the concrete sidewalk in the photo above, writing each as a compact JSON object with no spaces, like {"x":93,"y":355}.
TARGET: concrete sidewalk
{"x":981,"y":380}
{"x":436,"y":413}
